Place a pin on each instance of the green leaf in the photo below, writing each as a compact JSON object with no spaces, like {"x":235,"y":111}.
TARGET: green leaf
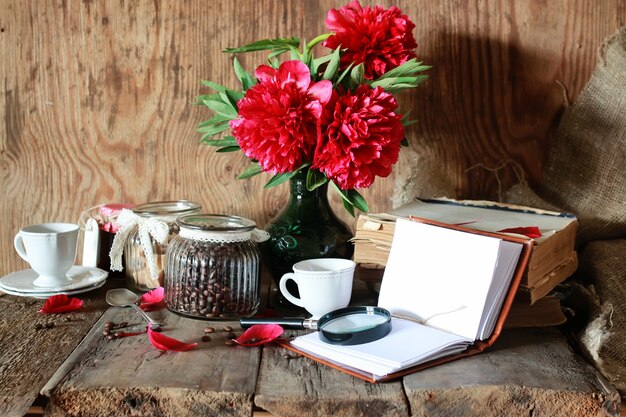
{"x":333,"y":65}
{"x":213,"y":129}
{"x":352,"y":198}
{"x":226,"y":141}
{"x":357,"y":76}
{"x":343,"y":74}
{"x":279,"y":179}
{"x":228,"y":149}
{"x":251,"y":171}
{"x":218,"y":118}
{"x":404,"y":142}
{"x":317,"y":62}
{"x":409,"y":68}
{"x":314,"y":179}
{"x":317,"y":40}
{"x":276,"y":53}
{"x":222,"y":108}
{"x":208,"y":97}
{"x":349,"y":207}
{"x":214,"y":86}
{"x":357,"y":200}
{"x":266,"y":44}
{"x":244,"y":78}
{"x":294,"y":54}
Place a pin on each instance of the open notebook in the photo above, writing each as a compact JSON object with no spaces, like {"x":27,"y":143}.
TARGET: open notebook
{"x":454,"y":287}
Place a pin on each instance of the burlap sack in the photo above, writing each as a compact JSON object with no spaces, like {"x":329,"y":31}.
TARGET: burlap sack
{"x":604,"y":338}
{"x":420,"y":175}
{"x":522,"y":195}
{"x":586,"y":171}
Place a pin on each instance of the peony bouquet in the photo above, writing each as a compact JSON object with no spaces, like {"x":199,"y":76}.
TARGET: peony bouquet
{"x":332,"y":116}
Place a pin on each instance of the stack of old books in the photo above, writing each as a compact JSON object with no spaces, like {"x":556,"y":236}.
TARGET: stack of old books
{"x":553,"y":257}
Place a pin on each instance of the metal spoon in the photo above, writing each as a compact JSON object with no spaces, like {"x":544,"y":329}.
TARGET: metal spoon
{"x":121,"y":297}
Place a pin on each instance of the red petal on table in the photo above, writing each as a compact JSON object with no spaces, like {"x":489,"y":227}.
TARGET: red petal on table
{"x":259,"y":334}
{"x":162,"y":342}
{"x":530,"y":231}
{"x":152,"y":300}
{"x":60,"y":304}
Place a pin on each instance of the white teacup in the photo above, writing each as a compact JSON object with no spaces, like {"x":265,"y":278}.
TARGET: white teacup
{"x":324,"y":284}
{"x":50,"y":249}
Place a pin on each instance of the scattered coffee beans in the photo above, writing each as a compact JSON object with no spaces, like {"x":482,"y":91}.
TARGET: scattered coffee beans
{"x":206,"y":338}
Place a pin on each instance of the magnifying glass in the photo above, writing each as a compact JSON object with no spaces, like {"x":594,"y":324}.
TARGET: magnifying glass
{"x":346,"y":326}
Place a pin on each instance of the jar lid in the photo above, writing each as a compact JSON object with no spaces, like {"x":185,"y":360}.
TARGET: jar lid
{"x":166,"y":208}
{"x":216,"y":223}
{"x":216,"y":228}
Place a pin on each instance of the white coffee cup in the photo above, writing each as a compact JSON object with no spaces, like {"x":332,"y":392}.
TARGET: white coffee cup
{"x":50,"y":249}
{"x":324,"y":284}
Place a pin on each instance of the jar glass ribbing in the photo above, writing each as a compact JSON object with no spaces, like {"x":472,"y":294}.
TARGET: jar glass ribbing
{"x":136,"y":269}
{"x":212,"y":269}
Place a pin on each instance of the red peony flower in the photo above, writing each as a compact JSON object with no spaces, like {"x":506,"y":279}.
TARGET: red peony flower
{"x":361,"y":138}
{"x":278,"y":122}
{"x":381,"y":39}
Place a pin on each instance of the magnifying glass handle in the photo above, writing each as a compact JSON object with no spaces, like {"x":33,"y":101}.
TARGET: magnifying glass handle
{"x":288,"y":323}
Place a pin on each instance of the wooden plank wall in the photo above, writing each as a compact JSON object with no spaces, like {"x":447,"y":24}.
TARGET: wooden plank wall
{"x":97,"y":97}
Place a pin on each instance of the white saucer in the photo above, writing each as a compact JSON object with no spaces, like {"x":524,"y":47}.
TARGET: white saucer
{"x":81,"y":276}
{"x":44,"y":295}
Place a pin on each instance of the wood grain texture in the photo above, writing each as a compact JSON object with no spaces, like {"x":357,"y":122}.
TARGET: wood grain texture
{"x":34,"y":345}
{"x":130,"y":377}
{"x":96,"y":97}
{"x":290,"y":385}
{"x":527,"y":372}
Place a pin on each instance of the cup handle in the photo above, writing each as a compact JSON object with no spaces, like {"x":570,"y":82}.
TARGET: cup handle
{"x":283,"y":289}
{"x":19,"y":247}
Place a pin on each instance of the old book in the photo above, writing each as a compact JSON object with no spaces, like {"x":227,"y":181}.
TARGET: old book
{"x":449,"y":289}
{"x":545,"y":312}
{"x":374,"y":232}
{"x":530,"y":294}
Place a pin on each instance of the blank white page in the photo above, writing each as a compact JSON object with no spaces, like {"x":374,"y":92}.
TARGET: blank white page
{"x":439,"y":275}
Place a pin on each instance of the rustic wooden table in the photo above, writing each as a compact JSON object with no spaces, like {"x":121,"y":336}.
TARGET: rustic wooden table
{"x":61,"y":365}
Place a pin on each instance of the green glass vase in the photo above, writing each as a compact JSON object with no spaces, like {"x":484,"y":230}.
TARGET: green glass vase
{"x":306,"y":228}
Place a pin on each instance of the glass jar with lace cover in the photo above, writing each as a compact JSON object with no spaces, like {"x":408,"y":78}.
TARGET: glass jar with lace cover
{"x":213,"y":267}
{"x":145,"y":235}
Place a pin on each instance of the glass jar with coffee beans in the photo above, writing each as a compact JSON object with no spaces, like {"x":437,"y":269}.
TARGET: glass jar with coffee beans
{"x":140,"y":276}
{"x":212,"y":269}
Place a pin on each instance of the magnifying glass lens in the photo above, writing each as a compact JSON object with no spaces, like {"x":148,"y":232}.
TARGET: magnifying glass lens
{"x":353,"y":323}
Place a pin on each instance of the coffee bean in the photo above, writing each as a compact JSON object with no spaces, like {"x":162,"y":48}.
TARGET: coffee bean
{"x":109,"y":324}
{"x":231,"y":335}
{"x":229,"y":342}
{"x":110,"y":337}
{"x":206,"y":338}
{"x":122,"y":325}
{"x":38,"y":326}
{"x":105,"y":332}
{"x":213,"y":279}
{"x":49,"y":325}
{"x":227,"y":329}
{"x":209,"y":330}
